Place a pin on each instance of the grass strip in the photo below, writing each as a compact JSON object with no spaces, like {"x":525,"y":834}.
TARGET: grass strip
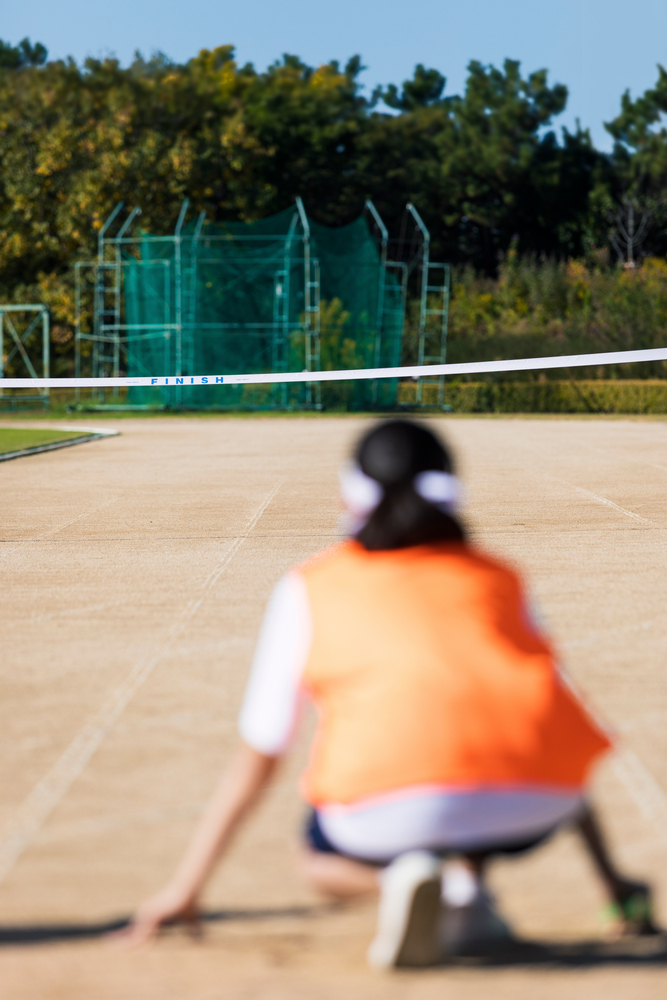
{"x":19,"y":439}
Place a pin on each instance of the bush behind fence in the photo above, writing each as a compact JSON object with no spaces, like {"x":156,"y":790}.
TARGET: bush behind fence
{"x":647,"y":396}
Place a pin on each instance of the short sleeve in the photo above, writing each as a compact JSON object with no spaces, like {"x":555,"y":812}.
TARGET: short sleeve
{"x":271,"y":702}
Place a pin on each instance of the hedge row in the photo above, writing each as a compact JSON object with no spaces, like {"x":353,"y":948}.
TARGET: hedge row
{"x":623,"y":396}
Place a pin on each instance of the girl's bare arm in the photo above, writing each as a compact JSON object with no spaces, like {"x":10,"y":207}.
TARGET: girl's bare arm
{"x":240,"y":787}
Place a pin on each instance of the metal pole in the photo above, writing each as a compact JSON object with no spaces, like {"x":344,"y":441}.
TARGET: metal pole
{"x":446,"y":279}
{"x":117,"y":278}
{"x":426,"y":238}
{"x":77,"y":327}
{"x":316,"y":357}
{"x":128,"y":222}
{"x":287,"y":262}
{"x":384,"y":232}
{"x":100,"y":299}
{"x":306,"y":292}
{"x":384,"y":240}
{"x":178,"y":292}
{"x":167,"y":332}
{"x":118,"y":292}
{"x":200,"y":223}
{"x":281,"y":305}
{"x":46,"y":360}
{"x":192,"y":300}
{"x":100,"y":235}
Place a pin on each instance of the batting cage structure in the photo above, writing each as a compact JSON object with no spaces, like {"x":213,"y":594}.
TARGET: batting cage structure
{"x":282,"y":294}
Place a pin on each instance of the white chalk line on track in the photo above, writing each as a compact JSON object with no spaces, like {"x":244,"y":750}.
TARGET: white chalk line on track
{"x":626,"y":458}
{"x":603,"y":500}
{"x":87,"y":513}
{"x":615,"y":506}
{"x":642,"y":722}
{"x":79,"y":829}
{"x":595,"y":637}
{"x":80,"y":612}
{"x":644,"y":790}
{"x":73,"y":612}
{"x":51,"y":788}
{"x":402,"y":371}
{"x":54,"y":531}
{"x":648,"y":794}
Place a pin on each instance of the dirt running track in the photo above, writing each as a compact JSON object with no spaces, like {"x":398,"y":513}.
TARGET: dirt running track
{"x":134,"y":573}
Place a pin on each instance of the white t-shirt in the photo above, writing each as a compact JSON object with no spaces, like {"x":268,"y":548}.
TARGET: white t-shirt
{"x":270,"y":707}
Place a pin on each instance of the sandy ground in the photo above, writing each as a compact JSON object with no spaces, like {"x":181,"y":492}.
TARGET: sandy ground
{"x":134,"y":573}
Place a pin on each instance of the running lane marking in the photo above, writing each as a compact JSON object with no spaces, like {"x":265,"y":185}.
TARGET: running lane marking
{"x":596,"y":636}
{"x":599,"y":499}
{"x":54,"y":531}
{"x":57,"y":781}
{"x":87,"y":513}
{"x":647,"y":793}
{"x":615,"y":506}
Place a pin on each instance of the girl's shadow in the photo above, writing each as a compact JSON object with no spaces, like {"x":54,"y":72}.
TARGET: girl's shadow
{"x":640,"y":951}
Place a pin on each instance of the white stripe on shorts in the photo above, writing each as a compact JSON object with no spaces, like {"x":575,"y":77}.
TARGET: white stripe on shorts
{"x":430,"y":818}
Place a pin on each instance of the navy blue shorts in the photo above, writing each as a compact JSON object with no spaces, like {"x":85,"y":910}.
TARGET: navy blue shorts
{"x":317,"y":840}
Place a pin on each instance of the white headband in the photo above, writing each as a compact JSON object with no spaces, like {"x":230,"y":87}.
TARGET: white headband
{"x":361,"y":494}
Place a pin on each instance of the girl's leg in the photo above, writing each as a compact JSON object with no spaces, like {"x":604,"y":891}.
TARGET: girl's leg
{"x":590,"y":831}
{"x":470,"y":920}
{"x":632,"y":898}
{"x":337,"y":876}
{"x":409,"y":890}
{"x":476,"y":862}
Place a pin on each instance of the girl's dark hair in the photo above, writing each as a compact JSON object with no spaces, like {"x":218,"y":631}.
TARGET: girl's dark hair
{"x":393,"y":453}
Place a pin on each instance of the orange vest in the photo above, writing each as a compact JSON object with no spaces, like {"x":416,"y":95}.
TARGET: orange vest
{"x":424,"y":670}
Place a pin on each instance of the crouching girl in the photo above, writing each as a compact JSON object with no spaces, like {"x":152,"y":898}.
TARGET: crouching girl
{"x":445,"y":727}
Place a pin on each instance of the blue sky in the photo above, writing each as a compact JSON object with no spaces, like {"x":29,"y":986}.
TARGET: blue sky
{"x":599,"y":48}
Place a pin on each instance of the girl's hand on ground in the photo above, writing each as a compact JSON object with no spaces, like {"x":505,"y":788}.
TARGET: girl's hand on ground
{"x":169,"y":906}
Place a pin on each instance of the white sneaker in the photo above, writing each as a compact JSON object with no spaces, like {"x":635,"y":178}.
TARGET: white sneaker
{"x":407,"y":930}
{"x":469,"y":919}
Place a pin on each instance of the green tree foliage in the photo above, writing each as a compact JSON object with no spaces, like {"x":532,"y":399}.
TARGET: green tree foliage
{"x":74,"y":141}
{"x":481,"y":166}
{"x":641,"y":149}
{"x":537,"y":308}
{"x":485,"y":168}
{"x":425,"y":88}
{"x":23,"y":54}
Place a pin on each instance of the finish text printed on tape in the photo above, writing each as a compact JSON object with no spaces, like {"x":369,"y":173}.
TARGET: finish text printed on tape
{"x":405,"y":371}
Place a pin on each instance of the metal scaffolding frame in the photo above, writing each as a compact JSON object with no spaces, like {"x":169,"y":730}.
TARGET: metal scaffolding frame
{"x":433,"y":301}
{"x":103,"y":336}
{"x":385,"y":295}
{"x":21,"y":343}
{"x":281,"y":318}
{"x":311,"y":284}
{"x":108,"y":336}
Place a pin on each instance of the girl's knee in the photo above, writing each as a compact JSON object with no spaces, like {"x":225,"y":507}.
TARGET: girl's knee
{"x":334,"y":875}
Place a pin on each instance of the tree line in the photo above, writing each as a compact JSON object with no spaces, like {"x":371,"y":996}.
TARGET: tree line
{"x":487,"y":169}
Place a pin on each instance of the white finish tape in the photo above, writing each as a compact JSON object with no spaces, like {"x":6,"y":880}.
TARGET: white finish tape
{"x":406,"y":371}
